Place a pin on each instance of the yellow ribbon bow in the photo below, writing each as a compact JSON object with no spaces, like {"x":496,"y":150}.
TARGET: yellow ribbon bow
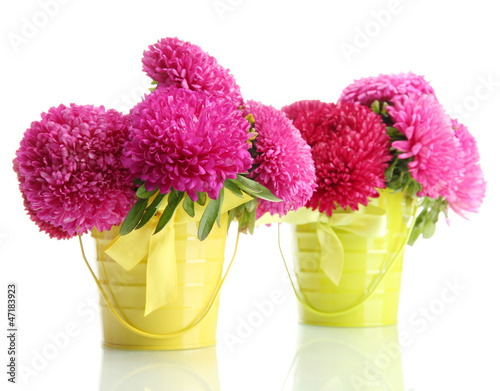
{"x":159,"y":251}
{"x":368,"y":221}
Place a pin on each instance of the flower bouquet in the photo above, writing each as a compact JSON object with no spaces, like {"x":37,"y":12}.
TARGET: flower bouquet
{"x":158,"y":188}
{"x":389,"y":161}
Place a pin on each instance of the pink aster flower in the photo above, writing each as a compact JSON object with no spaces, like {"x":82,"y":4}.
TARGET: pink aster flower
{"x":70,"y":171}
{"x":471,"y":190}
{"x":307,"y":116}
{"x":187,"y":140}
{"x":302,"y":108}
{"x":385,"y":88}
{"x":438,"y":158}
{"x":284,"y":162}
{"x":350,"y":148}
{"x":171,"y":61}
{"x":53,"y":231}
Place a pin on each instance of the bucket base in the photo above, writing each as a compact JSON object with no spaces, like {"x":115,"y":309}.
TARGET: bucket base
{"x":116,"y":336}
{"x":170,"y":347}
{"x":349,"y":325}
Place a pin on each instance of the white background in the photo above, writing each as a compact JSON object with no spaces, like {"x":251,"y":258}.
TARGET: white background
{"x":279,"y":51}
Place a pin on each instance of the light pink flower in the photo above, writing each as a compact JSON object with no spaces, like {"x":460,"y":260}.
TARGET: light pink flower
{"x":171,"y":61}
{"x":437,"y":156}
{"x":188,"y":140}
{"x":284,"y":162}
{"x":385,"y":88}
{"x":471,"y":190}
{"x":70,"y":171}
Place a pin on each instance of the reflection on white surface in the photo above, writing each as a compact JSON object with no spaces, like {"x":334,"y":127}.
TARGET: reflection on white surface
{"x":179,"y":370}
{"x":346,"y":359}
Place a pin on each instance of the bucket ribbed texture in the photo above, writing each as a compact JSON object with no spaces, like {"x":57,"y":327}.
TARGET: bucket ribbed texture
{"x":199,"y":268}
{"x":365,"y":260}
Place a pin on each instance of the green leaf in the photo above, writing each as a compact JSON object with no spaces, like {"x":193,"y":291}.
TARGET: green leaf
{"x":254,"y":188}
{"x":429,"y":229}
{"x":151,"y":210}
{"x":250,"y":183}
{"x":251,"y":227}
{"x":390,"y":170}
{"x":376,"y":106}
{"x":188,"y":206}
{"x":233,"y":188}
{"x":221,"y":200}
{"x":413,"y":188}
{"x":395,"y":134}
{"x":245,"y":221}
{"x":143,"y":193}
{"x":154,"y":84}
{"x":208,"y":219}
{"x":202,"y":199}
{"x":138,"y":182}
{"x":250,"y":119}
{"x":174,"y":199}
{"x":231,"y":215}
{"x":134,"y":216}
{"x":251,"y":205}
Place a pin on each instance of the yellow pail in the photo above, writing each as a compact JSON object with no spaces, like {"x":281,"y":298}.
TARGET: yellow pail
{"x":190,"y":321}
{"x":369,"y":288}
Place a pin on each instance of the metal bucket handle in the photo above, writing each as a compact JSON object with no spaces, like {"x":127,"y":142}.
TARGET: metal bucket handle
{"x":122,"y":319}
{"x":373,"y":287}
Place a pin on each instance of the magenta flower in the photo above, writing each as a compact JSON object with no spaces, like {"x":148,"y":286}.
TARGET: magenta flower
{"x":187,"y":140}
{"x":350,"y":148}
{"x":53,"y":231}
{"x":385,"y":88}
{"x":171,"y":61}
{"x":70,"y":172}
{"x":471,"y":190}
{"x":438,"y":158}
{"x":284,"y":162}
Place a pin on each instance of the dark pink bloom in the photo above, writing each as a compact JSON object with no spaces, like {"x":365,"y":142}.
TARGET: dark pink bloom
{"x":385,"y":88}
{"x":187,"y":140}
{"x":471,"y":190}
{"x":350,"y":148}
{"x":70,"y":171}
{"x":302,"y":108}
{"x":437,"y":156}
{"x":284,"y":162}
{"x":171,"y":61}
{"x":309,"y":116}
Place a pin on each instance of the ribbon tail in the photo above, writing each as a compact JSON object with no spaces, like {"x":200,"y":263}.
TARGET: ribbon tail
{"x":161,"y":281}
{"x":369,"y":221}
{"x":332,"y":252}
{"x":129,"y":250}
